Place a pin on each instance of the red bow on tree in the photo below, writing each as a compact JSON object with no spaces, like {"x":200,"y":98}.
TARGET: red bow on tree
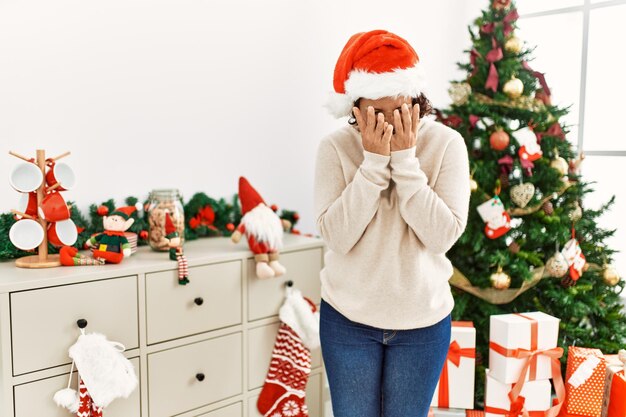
{"x":507,"y":24}
{"x":205,"y":217}
{"x":554,"y":130}
{"x":453,"y":120}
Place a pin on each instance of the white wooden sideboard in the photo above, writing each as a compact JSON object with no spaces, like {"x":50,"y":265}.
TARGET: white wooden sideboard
{"x":199,"y":350}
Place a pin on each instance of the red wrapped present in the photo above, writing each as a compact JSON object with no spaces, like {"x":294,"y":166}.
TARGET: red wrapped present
{"x":586,"y":371}
{"x":614,"y":404}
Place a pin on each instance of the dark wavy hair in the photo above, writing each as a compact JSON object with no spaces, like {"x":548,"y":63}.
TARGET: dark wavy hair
{"x":426,"y":107}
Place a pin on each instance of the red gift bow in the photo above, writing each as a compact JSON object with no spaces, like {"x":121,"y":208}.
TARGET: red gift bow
{"x":494,"y":55}
{"x":507,"y":23}
{"x":531,"y":362}
{"x":539,"y":76}
{"x":554,"y":130}
{"x":455,"y":353}
{"x":206,"y":217}
{"x":517,"y":408}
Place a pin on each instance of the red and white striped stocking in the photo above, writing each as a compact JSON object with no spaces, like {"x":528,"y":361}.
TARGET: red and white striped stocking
{"x":86,"y":407}
{"x":283,"y":394}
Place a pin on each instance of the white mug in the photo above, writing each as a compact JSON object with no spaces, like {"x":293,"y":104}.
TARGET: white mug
{"x":26,"y":234}
{"x":62,"y":174}
{"x":26,"y":177}
{"x":62,"y":233}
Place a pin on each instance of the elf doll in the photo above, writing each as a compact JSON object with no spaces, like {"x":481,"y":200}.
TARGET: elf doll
{"x":110,"y":246}
{"x":176,"y":250}
{"x":263,"y":229}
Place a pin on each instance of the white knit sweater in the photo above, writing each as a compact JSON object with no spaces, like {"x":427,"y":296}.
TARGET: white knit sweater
{"x":387,"y":222}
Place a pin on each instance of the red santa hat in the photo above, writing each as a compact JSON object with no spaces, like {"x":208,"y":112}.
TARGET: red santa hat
{"x":373,"y":65}
{"x":125,"y":212}
{"x":170,"y":229}
{"x":249,"y":197}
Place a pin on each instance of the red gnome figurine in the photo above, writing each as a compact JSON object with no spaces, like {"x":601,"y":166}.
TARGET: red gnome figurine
{"x":263,"y":229}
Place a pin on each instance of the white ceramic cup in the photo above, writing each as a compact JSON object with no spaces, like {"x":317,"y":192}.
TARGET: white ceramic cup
{"x":27,"y":204}
{"x":61,"y":173}
{"x":62,"y":233}
{"x":26,"y":177}
{"x":26,"y":234}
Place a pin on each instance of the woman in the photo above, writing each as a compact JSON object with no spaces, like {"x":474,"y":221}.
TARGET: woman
{"x":391,"y":198}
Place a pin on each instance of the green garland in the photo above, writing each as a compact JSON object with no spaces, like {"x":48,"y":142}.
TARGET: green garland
{"x":227,"y":214}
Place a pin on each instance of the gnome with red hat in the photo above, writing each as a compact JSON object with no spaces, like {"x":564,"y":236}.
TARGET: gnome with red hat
{"x":176,"y":250}
{"x":110,"y":246}
{"x":263,"y":229}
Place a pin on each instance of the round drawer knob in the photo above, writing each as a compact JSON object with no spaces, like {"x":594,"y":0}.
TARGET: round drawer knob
{"x":200,"y":377}
{"x":82,"y":323}
{"x":199,"y":301}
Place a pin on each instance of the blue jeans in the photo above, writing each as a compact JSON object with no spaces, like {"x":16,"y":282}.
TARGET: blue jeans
{"x":375,"y":372}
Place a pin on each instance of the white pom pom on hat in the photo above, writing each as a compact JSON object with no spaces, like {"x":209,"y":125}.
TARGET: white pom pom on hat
{"x":373,"y":65}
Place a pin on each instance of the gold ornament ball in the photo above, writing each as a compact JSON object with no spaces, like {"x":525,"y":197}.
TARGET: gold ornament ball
{"x":459,"y":93}
{"x":513,"y":45}
{"x":513,"y":88}
{"x":473,"y":184}
{"x":560,"y":164}
{"x":576,"y":214}
{"x":557,"y":265}
{"x":610,"y":276}
{"x":500,"y":280}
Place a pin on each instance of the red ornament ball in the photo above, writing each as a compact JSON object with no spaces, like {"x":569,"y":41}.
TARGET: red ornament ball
{"x":274,"y":207}
{"x":102,"y":210}
{"x":230,"y":227}
{"x":296,"y":216}
{"x":143,"y":234}
{"x":499,"y":140}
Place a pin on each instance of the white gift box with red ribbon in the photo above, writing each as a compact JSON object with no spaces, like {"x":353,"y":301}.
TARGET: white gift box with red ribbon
{"x":455,"y":388}
{"x":534,"y":397}
{"x":513,"y":338}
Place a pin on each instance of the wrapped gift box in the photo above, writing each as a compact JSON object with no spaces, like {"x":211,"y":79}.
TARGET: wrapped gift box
{"x":527,"y":331}
{"x":614,"y":402}
{"x":448,"y":412}
{"x":585,"y":377}
{"x":459,"y":369}
{"x":537,"y":396}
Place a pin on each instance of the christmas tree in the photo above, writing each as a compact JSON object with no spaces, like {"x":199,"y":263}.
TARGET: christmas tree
{"x":529,"y":243}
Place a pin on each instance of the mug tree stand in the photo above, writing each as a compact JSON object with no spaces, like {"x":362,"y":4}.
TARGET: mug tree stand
{"x":42,"y":259}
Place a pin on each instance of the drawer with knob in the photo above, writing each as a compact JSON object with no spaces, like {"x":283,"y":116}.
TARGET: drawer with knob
{"x":265,"y":296}
{"x":36,"y":398}
{"x":45,"y":322}
{"x":233,"y":410}
{"x":191,"y":376}
{"x":211,"y":300}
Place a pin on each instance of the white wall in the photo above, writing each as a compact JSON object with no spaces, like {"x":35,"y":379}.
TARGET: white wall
{"x":192,"y":93}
